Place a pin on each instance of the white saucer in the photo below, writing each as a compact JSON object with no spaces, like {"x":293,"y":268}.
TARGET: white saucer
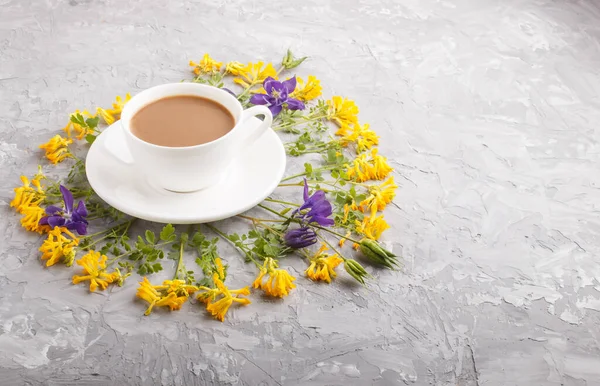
{"x":252,"y":177}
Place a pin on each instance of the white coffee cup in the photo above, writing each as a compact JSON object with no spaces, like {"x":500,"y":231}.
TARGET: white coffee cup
{"x":191,"y":168}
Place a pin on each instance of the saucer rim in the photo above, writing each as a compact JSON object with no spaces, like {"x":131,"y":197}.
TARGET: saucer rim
{"x":161,"y":218}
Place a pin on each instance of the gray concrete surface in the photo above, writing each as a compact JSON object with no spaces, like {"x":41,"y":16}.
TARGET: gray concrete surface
{"x":489,"y":112}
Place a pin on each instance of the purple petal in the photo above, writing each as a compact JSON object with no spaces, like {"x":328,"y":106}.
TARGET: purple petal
{"x":43,"y":221}
{"x":295,"y":104}
{"x":305,"y":190}
{"x":269,"y":84}
{"x":67,"y":198}
{"x":260,"y":99}
{"x":81,"y":209}
{"x":79,"y":227}
{"x":317,"y":196}
{"x":323,"y":210}
{"x":300,"y":238}
{"x":289,"y":85}
{"x":276,"y":109}
{"x":323,"y":221}
{"x":56,"y":221}
{"x":52,"y":210}
{"x":78,"y":218}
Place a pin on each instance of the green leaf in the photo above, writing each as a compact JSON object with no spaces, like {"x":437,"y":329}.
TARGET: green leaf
{"x":92,"y":122}
{"x":331,"y":156}
{"x":197,"y":239}
{"x":173,"y":255}
{"x":78,"y":119}
{"x":297,"y":62}
{"x":184,"y":238}
{"x":168,"y":233}
{"x":90,"y":138}
{"x":150,"y":236}
{"x":284,"y":211}
{"x":142,"y":270}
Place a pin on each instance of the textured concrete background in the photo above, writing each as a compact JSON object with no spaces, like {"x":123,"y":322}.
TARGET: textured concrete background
{"x":489,"y":112}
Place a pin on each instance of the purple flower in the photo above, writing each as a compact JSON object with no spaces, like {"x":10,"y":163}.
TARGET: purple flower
{"x":300,"y":237}
{"x":316,"y":208}
{"x":277,"y":95}
{"x":69,"y":217}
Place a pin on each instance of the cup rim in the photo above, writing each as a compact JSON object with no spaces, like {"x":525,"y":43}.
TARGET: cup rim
{"x":125,"y":111}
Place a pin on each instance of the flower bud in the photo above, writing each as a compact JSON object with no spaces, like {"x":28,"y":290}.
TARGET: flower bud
{"x":289,"y":62}
{"x":300,"y":238}
{"x":355,"y":270}
{"x":377,"y":254}
{"x":69,"y":258}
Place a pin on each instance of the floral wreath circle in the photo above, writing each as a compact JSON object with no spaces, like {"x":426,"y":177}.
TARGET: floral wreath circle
{"x":341,"y":201}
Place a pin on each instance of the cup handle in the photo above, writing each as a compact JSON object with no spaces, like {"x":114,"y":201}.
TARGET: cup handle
{"x":116,"y":145}
{"x":249,"y":137}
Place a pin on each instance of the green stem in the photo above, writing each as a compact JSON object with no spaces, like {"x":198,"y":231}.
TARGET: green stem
{"x":224,"y":237}
{"x":304,"y":173}
{"x":258,"y":219}
{"x":331,"y":246}
{"x":246,"y":90}
{"x":300,"y":183}
{"x":281,"y":202}
{"x":113,"y":228}
{"x":269,"y":228}
{"x":114,"y":259}
{"x":272,"y":211}
{"x":312,"y":225}
{"x":180,"y":260}
{"x":305,"y":120}
{"x":89,"y":246}
{"x":335,"y":233}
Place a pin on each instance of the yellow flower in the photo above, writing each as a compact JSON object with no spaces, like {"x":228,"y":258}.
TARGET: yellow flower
{"x":342,"y":111}
{"x":261,"y":273}
{"x":343,"y":241}
{"x":177,"y":286}
{"x":57,"y":149}
{"x":344,"y":130}
{"x":364,"y":168}
{"x":279,"y":283}
{"x":309,"y":91}
{"x":208,"y":294}
{"x":206,"y":66}
{"x":81,"y":131}
{"x":379,"y":196}
{"x":110,"y":115}
{"x":362,"y":136}
{"x":322,"y":266}
{"x":94,"y":265}
{"x":26,"y":195}
{"x":220,"y":269}
{"x":57,"y":247}
{"x":219,"y":308}
{"x":371,"y":226}
{"x":254,"y":73}
{"x":234,"y":68}
{"x":159,"y":296}
{"x":31,"y":219}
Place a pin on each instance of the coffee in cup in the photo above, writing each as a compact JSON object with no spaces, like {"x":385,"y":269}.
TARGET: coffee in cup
{"x":192,"y":120}
{"x":184,"y":136}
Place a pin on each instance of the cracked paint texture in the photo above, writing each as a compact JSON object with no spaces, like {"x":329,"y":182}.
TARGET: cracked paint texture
{"x":489,"y":113}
